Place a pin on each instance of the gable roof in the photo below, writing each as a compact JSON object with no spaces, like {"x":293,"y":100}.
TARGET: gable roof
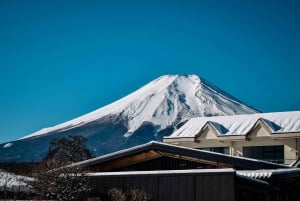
{"x":277,"y":123}
{"x":164,"y":149}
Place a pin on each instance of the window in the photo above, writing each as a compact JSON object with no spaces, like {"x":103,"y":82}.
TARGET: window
{"x":222,"y":150}
{"x":267,"y":153}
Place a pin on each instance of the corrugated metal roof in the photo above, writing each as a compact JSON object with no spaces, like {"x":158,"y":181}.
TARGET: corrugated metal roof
{"x":268,"y":173}
{"x":257,"y":174}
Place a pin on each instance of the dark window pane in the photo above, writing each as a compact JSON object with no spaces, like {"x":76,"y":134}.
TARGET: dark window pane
{"x":268,"y":153}
{"x":268,"y":149}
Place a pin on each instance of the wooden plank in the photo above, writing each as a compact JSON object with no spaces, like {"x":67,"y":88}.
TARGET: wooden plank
{"x":127,"y":161}
{"x":185,"y":188}
{"x":166,"y":188}
{"x":198,"y":160}
{"x":152,"y":186}
{"x":175,"y":187}
{"x":211,"y":188}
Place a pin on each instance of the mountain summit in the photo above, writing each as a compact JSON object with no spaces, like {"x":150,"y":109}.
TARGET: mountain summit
{"x":168,"y":100}
{"x":151,"y":112}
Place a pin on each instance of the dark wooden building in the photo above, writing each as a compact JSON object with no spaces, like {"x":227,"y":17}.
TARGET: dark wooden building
{"x":181,"y":185}
{"x":170,"y":172}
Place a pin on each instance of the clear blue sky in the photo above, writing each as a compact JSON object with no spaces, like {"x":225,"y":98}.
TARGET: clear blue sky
{"x":60,"y":59}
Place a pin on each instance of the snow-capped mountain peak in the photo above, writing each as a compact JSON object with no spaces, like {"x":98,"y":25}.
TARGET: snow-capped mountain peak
{"x":150,"y":113}
{"x":166,"y":100}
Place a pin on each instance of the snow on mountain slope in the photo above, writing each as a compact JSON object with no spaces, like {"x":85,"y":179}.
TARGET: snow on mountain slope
{"x":165,"y":101}
{"x":150,"y":113}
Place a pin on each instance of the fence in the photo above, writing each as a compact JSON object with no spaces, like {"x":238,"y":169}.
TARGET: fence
{"x":173,"y":185}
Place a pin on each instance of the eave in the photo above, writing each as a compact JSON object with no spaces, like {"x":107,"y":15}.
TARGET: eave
{"x":177,"y":140}
{"x":285,"y":135}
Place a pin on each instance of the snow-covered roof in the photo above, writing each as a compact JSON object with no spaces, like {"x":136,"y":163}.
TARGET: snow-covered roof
{"x":277,"y":123}
{"x":267,"y":174}
{"x":15,"y":183}
{"x":163,"y":172}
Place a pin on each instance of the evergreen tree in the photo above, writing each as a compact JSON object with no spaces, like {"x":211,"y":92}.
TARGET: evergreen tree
{"x":67,"y":150}
{"x":53,"y":181}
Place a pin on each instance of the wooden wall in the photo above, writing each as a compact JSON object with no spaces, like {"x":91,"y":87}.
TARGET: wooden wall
{"x":191,"y":185}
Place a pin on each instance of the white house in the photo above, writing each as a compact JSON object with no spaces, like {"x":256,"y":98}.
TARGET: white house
{"x":268,"y":136}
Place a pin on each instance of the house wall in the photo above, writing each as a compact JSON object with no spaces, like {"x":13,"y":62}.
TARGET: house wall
{"x":259,"y":136}
{"x":207,"y":134}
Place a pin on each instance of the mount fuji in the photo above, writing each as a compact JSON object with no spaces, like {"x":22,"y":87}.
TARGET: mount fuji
{"x":153,"y":111}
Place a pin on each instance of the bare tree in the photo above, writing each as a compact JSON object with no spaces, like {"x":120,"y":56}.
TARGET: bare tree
{"x":138,"y":195}
{"x":116,"y":194}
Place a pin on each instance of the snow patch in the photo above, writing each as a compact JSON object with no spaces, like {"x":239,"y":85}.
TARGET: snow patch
{"x":128,"y":134}
{"x":13,"y":182}
{"x":8,"y":145}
